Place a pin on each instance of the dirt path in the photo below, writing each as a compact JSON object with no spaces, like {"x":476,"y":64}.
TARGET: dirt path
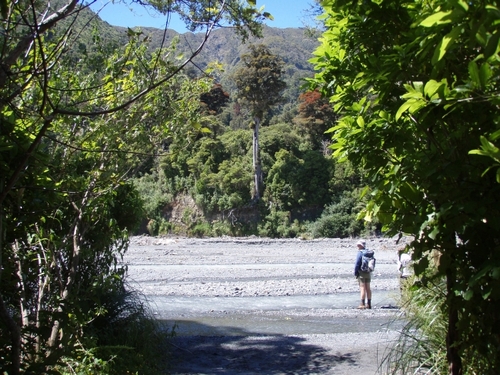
{"x":252,"y":305}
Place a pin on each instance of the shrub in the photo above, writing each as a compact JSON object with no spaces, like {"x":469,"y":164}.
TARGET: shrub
{"x":221,"y":228}
{"x":421,"y":346}
{"x":152,"y":227}
{"x":124,"y":339}
{"x":201,"y":230}
{"x":338,"y":220}
{"x":336,"y":225}
{"x":278,"y":225}
{"x":155,"y":191}
{"x":165,"y":227}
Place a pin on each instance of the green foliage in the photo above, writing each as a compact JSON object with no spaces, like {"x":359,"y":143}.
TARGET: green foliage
{"x":421,"y":344}
{"x":126,"y":337}
{"x":223,"y":180}
{"x":156,"y":191}
{"x":152,"y":227}
{"x":201,"y":230}
{"x":220,"y":167}
{"x":278,"y":224}
{"x":285,"y":182}
{"x":416,"y":85}
{"x":222,"y":228}
{"x":285,"y":185}
{"x":339,"y":220}
{"x":290,"y":162}
{"x":259,"y":80}
{"x":277,"y":137}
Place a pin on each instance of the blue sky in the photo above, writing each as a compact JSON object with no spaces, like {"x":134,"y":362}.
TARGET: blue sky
{"x":286,"y":13}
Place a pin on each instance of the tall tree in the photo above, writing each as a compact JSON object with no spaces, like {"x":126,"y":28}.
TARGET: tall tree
{"x":68,"y":143}
{"x":416,"y":84}
{"x":260,"y":85}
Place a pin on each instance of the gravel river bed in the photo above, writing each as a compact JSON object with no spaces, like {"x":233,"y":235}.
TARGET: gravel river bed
{"x":263,"y":306}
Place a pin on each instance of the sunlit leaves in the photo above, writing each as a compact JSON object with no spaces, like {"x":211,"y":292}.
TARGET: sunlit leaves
{"x":446,"y":44}
{"x":490,"y":150}
{"x":439,"y":18}
{"x":425,"y":84}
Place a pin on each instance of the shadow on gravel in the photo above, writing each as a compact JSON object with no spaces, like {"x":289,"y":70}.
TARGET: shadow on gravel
{"x":247,"y":354}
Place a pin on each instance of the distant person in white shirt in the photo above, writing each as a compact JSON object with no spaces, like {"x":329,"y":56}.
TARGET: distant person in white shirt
{"x":404,"y":264}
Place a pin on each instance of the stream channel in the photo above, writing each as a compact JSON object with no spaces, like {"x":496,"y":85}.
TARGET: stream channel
{"x":277,"y":315}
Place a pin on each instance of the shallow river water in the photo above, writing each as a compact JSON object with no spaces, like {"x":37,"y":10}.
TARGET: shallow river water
{"x":258,"y":315}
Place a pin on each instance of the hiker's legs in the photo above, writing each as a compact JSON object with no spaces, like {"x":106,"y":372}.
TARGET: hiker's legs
{"x":368,"y":290}
{"x":362,"y":293}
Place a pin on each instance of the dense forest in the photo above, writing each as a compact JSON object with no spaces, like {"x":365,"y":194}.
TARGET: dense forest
{"x":391,"y":115}
{"x":205,"y":187}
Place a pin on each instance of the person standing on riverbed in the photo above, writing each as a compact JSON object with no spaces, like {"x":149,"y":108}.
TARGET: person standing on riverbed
{"x":404,"y":267}
{"x":364,"y":278}
{"x":404,"y":264}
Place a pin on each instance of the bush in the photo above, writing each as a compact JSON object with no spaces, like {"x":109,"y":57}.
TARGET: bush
{"x":221,"y":228}
{"x":124,"y":339}
{"x":285,"y":180}
{"x":421,"y":346}
{"x":336,"y":225}
{"x":152,"y":227}
{"x":155,"y":191}
{"x":278,"y":225}
{"x":201,"y":230}
{"x":338,"y":220}
{"x":165,"y":227}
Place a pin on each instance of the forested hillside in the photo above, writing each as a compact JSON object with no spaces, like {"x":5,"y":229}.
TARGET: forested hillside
{"x":293,"y":45}
{"x":201,"y":183}
{"x":204,"y":187}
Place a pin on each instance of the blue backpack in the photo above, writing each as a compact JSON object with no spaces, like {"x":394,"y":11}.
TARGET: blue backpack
{"x":368,"y":261}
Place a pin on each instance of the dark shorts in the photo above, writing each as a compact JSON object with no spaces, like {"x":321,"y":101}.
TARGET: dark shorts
{"x":364,"y":277}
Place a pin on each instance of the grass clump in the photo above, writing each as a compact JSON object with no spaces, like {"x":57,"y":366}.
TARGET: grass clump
{"x":421,"y":346}
{"x":124,"y":339}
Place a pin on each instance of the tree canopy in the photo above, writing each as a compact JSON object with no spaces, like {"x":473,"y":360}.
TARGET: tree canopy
{"x":260,"y":79}
{"x":416,"y":86}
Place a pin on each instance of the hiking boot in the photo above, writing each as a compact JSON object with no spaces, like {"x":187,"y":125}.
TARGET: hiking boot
{"x":361,"y":307}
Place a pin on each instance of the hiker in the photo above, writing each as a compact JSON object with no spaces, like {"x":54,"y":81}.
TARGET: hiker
{"x":404,"y":268}
{"x":365,"y":263}
{"x":404,"y":264}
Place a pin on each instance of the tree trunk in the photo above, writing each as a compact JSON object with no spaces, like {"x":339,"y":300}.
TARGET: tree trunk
{"x":452,"y":354}
{"x":256,"y":160}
